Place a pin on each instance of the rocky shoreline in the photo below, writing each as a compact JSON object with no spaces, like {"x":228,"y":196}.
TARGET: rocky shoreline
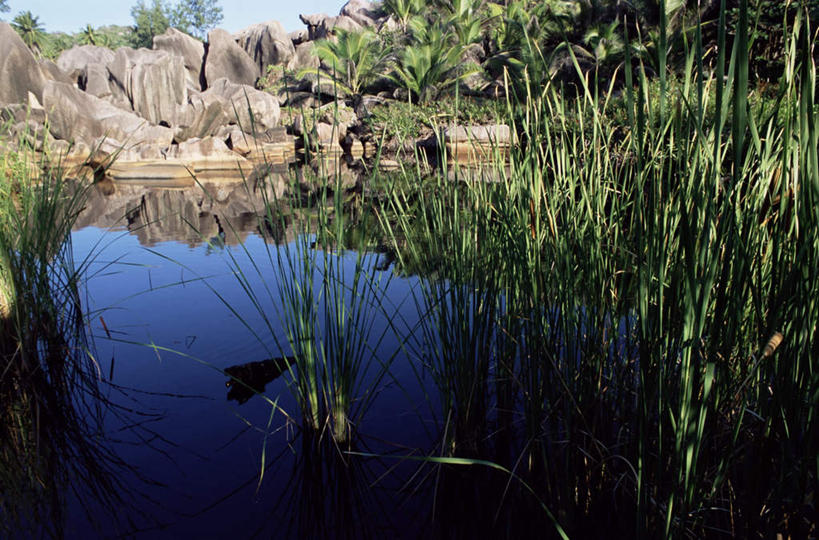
{"x":188,"y":108}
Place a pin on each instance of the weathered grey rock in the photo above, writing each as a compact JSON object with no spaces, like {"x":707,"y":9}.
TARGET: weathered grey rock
{"x":491,"y":134}
{"x":316,"y":27}
{"x":94,"y":80}
{"x":298,"y":37}
{"x":475,"y":144}
{"x":475,"y":80}
{"x":342,"y":22}
{"x":191,"y":50}
{"x":390,"y":24}
{"x":366,"y":104}
{"x":75,"y":115}
{"x":199,"y":119}
{"x":305,"y":57}
{"x":20,"y":72}
{"x":226,"y":60}
{"x":340,"y":116}
{"x":209,"y":149}
{"x":253,"y":110}
{"x":267,"y":43}
{"x":363,"y":12}
{"x":53,"y":72}
{"x":77,"y":58}
{"x":152,"y":81}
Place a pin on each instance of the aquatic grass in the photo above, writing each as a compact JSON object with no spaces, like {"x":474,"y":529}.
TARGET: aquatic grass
{"x":636,"y":274}
{"x":51,"y":388}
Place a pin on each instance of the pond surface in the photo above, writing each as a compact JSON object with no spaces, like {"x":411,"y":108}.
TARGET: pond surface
{"x":168,"y":315}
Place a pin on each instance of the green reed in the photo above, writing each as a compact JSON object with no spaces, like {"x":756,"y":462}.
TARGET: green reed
{"x":650,"y":289}
{"x":50,"y":385}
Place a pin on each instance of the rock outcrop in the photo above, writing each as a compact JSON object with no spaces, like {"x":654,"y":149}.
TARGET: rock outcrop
{"x":226,"y":60}
{"x":191,"y":50}
{"x":253,"y":110}
{"x":76,"y":115}
{"x":20,"y":73}
{"x":153,"y":82}
{"x":363,"y":12}
{"x":475,"y":144}
{"x":267,"y":43}
{"x":78,"y":58}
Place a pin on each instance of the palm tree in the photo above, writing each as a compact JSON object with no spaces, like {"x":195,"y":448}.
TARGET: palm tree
{"x":356,"y":59}
{"x":404,"y":9}
{"x":30,"y":29}
{"x":431,"y":63}
{"x":89,"y":36}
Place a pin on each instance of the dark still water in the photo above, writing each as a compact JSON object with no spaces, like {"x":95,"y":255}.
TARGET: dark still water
{"x":169,"y":316}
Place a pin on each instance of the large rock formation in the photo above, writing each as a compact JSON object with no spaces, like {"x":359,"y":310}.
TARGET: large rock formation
{"x":20,"y":72}
{"x":253,"y":110}
{"x":152,"y":81}
{"x":268,"y":43}
{"x":77,"y":58}
{"x":305,"y":57}
{"x":191,"y":50}
{"x":321,"y":25}
{"x":315,"y":25}
{"x":226,"y":60}
{"x":76,"y":115}
{"x":363,"y":12}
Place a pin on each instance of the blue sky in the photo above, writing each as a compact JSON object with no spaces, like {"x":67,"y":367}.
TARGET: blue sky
{"x":72,"y":15}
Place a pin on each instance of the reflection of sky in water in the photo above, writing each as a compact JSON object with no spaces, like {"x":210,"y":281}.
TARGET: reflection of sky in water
{"x":154,"y":296}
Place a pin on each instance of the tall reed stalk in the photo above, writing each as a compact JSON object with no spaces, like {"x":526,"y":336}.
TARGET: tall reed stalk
{"x":652,"y":286}
{"x":52,"y":404}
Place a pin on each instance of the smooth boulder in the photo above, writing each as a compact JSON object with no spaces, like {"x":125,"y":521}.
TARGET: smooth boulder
{"x":20,"y":73}
{"x":76,"y":59}
{"x":75,"y":115}
{"x":268,"y":43}
{"x":226,"y":60}
{"x":253,"y":110}
{"x":363,"y":12}
{"x":191,"y":50}
{"x":152,"y":81}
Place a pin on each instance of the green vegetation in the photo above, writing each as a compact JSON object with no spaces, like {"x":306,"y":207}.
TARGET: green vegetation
{"x":356,"y":59}
{"x":625,"y":318}
{"x":195,"y":17}
{"x":51,"y":403}
{"x":30,"y":29}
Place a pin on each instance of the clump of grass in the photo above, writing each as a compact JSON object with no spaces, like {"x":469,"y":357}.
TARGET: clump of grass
{"x":628,"y":281}
{"x":52,"y":404}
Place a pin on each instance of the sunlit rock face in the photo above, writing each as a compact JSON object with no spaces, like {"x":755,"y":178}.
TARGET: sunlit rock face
{"x":192,"y":52}
{"x":20,"y":72}
{"x":152,"y":82}
{"x":227,"y":60}
{"x":76,"y":115}
{"x":267,"y":43}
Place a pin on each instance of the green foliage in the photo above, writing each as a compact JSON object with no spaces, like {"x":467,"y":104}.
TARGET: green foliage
{"x":57,"y":42}
{"x":4,"y":6}
{"x":404,"y":10}
{"x":30,"y":29}
{"x":89,"y":36}
{"x":431,"y":62}
{"x":196,"y":17}
{"x":355,"y":59}
{"x":149,"y":21}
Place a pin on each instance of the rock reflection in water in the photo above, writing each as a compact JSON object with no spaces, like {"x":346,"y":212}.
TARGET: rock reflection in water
{"x":220,"y":212}
{"x":247,"y":380}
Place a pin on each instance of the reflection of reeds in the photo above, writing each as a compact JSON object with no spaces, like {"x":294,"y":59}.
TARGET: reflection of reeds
{"x":52,"y":406}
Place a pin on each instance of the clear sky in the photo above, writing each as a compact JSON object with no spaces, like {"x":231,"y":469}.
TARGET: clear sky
{"x":72,"y":15}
